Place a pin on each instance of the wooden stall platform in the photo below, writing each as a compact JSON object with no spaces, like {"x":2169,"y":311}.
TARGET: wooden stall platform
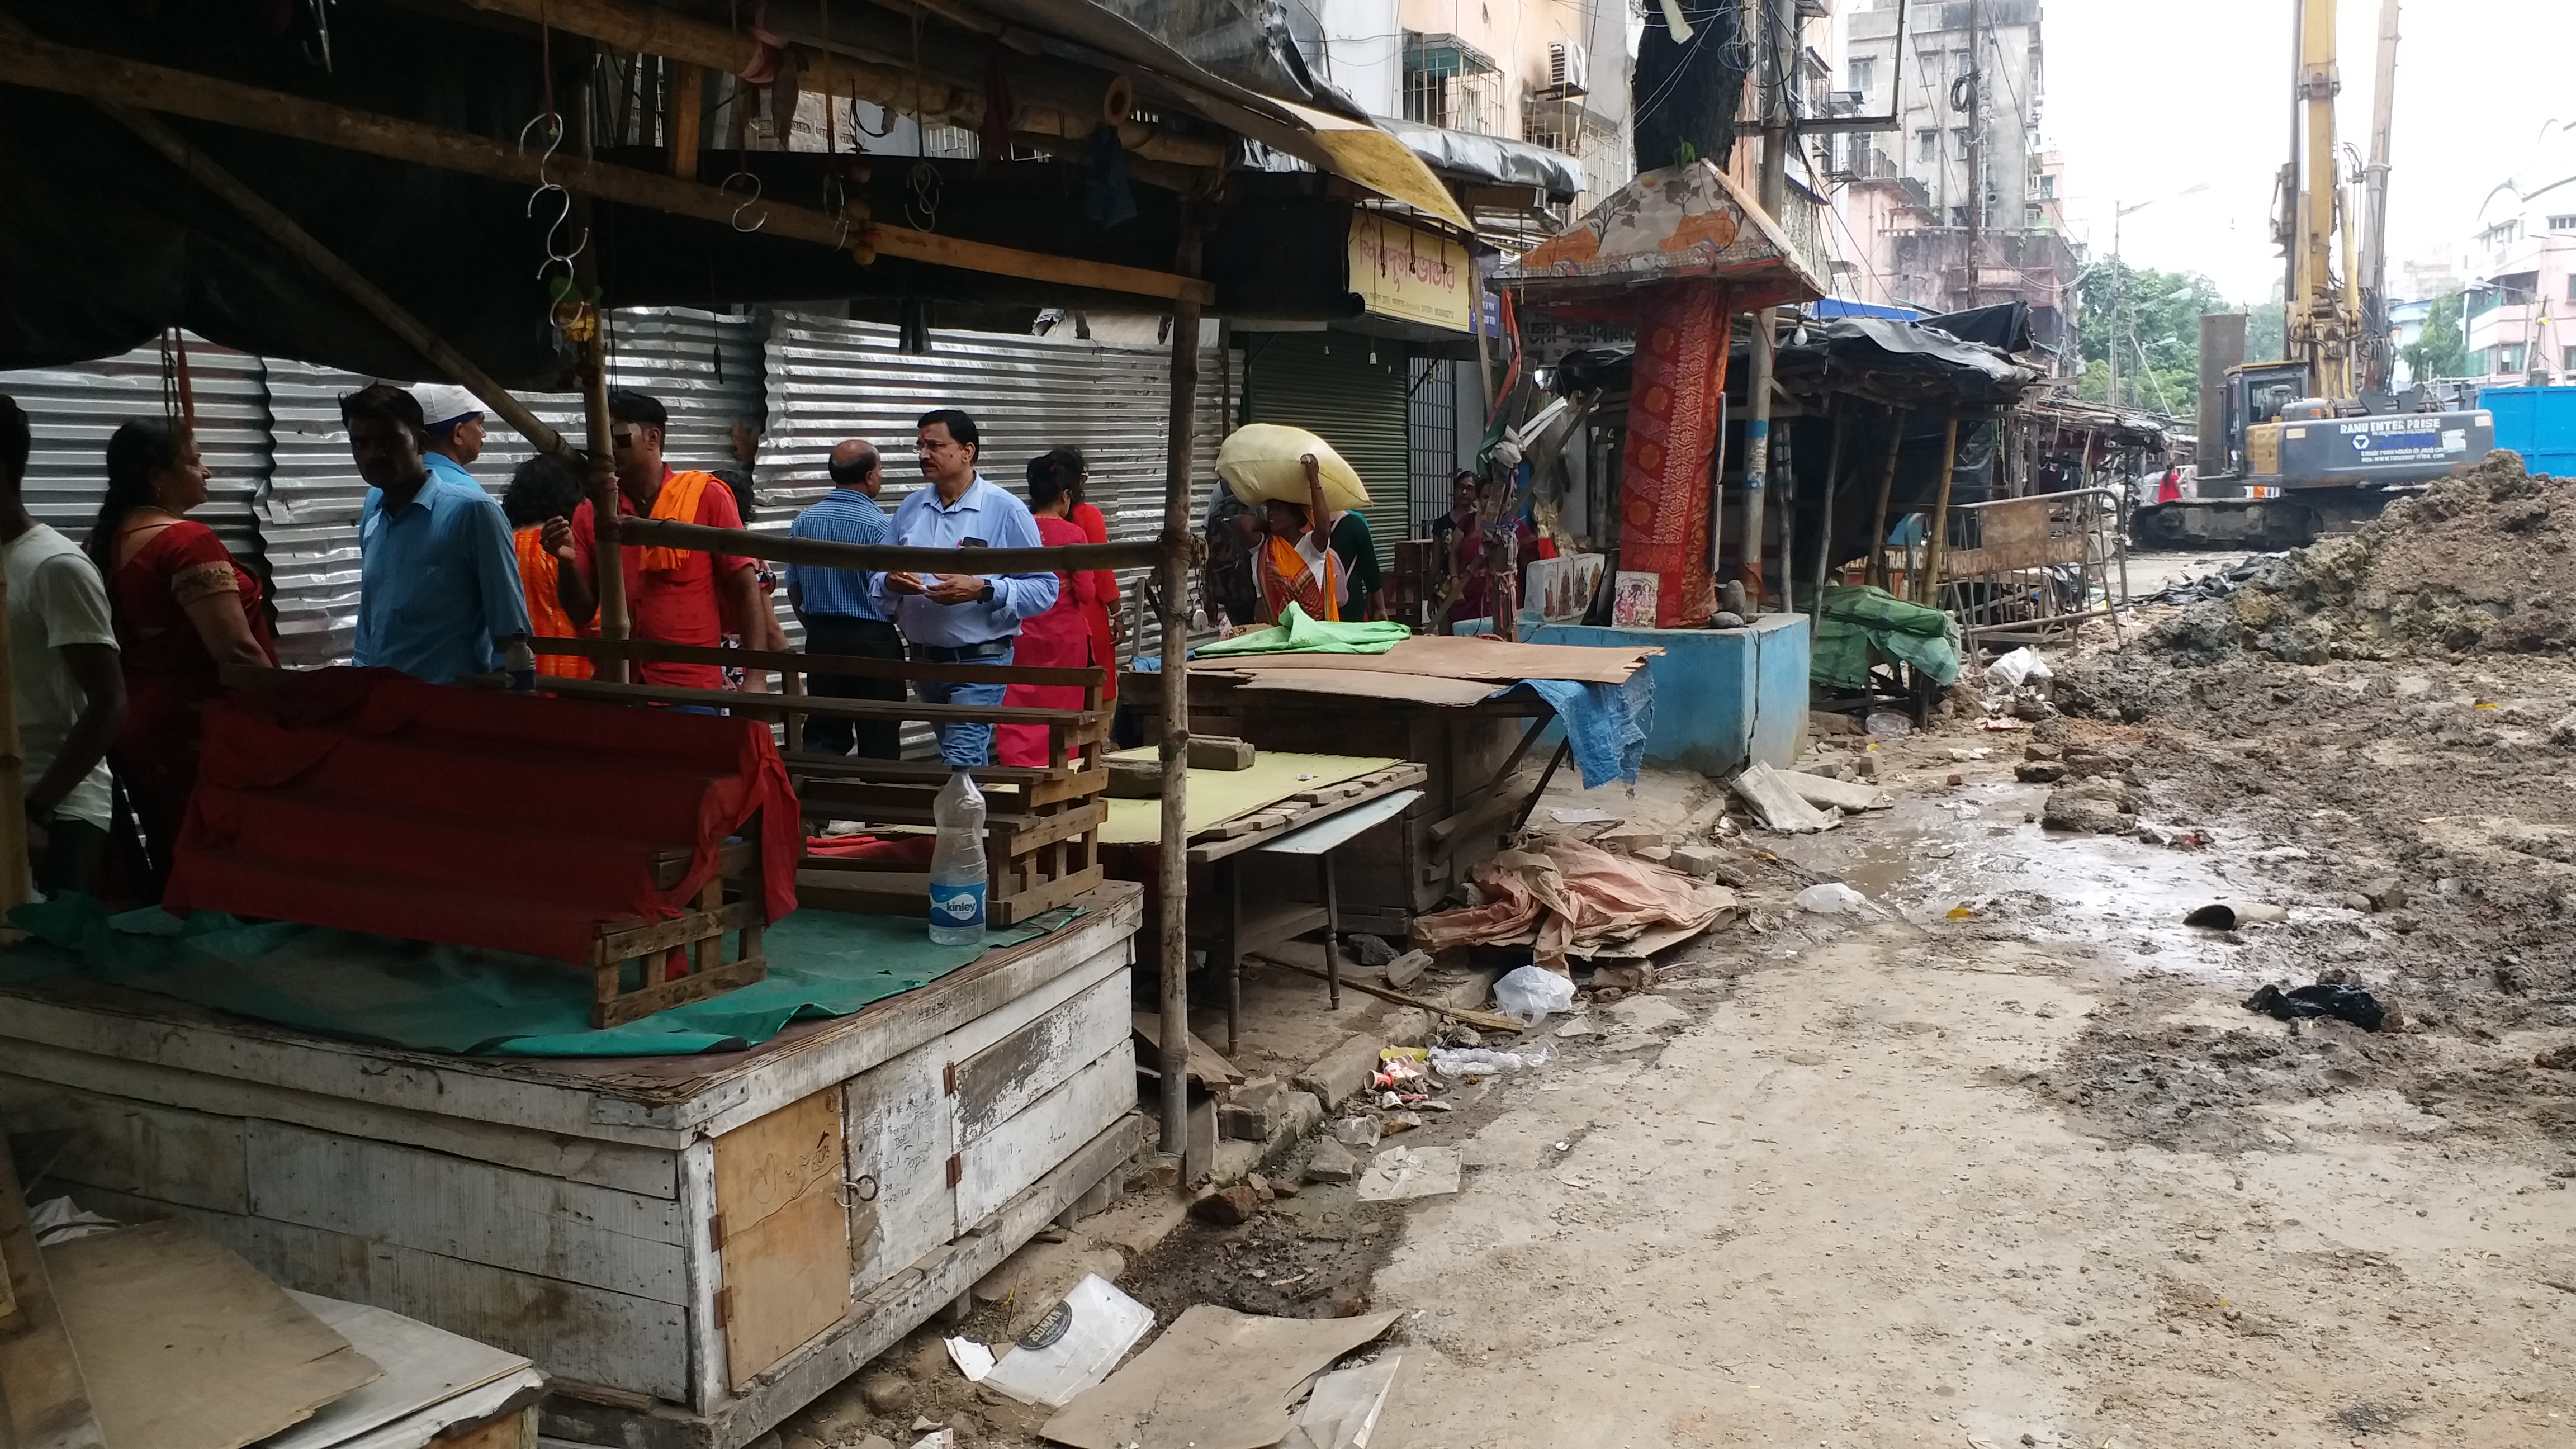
{"x":692,"y":1247}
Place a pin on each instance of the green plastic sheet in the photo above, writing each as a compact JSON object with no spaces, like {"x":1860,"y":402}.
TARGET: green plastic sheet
{"x":1297,"y":633}
{"x":453,"y":999}
{"x":1859,"y":618}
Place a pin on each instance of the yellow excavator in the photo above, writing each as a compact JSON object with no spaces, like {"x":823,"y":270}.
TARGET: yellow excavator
{"x":2317,"y":442}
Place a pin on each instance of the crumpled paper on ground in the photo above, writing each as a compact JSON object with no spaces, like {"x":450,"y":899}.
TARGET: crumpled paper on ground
{"x":1564,"y":898}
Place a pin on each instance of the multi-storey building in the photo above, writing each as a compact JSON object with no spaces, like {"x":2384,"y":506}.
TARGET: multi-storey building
{"x":1958,"y":204}
{"x":2521,"y":310}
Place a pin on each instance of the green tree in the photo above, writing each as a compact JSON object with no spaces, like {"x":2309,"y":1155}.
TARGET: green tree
{"x":2157,"y":315}
{"x":2443,"y":350}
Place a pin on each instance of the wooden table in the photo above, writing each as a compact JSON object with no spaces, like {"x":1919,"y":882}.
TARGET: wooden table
{"x":1280,"y":920}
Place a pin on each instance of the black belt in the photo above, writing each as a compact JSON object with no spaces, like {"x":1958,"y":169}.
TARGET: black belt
{"x":963,"y":653}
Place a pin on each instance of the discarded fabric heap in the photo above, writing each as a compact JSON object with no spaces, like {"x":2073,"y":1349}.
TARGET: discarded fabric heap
{"x":368,"y":801}
{"x":1564,"y":898}
{"x":1860,"y":617}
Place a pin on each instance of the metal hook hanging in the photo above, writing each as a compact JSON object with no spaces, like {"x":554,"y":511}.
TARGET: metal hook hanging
{"x":727,"y":186}
{"x":836,"y":199}
{"x":554,"y":140}
{"x":923,"y":183}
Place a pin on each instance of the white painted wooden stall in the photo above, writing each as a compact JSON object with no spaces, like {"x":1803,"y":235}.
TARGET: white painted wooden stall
{"x":694,"y":1247}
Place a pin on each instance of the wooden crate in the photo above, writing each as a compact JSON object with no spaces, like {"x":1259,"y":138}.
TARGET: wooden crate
{"x":693,"y":1248}
{"x":638,"y":968}
{"x":1042,"y":823}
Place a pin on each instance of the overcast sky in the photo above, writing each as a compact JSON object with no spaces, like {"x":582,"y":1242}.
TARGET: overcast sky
{"x":2146,"y":98}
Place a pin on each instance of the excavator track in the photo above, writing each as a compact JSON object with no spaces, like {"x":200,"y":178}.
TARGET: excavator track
{"x":2264,"y":525}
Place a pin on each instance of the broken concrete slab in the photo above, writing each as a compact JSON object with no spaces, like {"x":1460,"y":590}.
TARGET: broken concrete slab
{"x":1846,"y":795}
{"x":1342,"y":1073}
{"x":1406,"y":969}
{"x":1645,"y":1013}
{"x":1707,"y":862}
{"x":1399,"y":1174}
{"x":1332,"y":1162}
{"x":1775,"y":804}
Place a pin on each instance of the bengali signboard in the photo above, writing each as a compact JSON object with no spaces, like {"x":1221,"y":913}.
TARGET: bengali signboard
{"x":1410,"y":274}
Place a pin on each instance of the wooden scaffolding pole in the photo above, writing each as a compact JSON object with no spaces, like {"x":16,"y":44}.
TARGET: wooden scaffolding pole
{"x":1875,"y":571}
{"x":1936,"y":539}
{"x":1172,"y":953}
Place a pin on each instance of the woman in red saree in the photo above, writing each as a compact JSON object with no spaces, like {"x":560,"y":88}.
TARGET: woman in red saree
{"x":1095,"y":529}
{"x":1064,"y":637}
{"x":183,"y":609}
{"x":1293,"y":565}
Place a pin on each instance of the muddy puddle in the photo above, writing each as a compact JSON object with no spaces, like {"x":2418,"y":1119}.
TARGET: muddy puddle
{"x":1979,"y":847}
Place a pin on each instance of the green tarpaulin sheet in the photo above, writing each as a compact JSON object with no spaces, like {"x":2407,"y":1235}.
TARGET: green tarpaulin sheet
{"x":1859,"y":618}
{"x":1295,"y":633}
{"x":452,"y":999}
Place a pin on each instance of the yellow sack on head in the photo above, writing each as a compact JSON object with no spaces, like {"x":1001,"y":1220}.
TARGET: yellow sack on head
{"x":1262,"y":461}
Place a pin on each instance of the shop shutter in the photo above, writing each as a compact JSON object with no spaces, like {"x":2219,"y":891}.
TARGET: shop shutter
{"x":1326,"y":383}
{"x":73,"y":409}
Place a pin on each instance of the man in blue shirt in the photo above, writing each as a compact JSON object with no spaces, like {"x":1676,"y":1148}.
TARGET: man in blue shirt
{"x":841,"y":614}
{"x":438,"y":581}
{"x":961,"y":618}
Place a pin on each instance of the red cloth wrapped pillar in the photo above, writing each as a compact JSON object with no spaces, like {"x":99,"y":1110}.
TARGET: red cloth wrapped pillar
{"x":1677,"y":391}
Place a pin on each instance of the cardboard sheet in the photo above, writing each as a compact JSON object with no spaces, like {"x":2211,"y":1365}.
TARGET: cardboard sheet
{"x":1448,"y":656}
{"x":425,"y":1368}
{"x":1216,"y":1379}
{"x":1362,"y":684}
{"x":1218,"y":795}
{"x":188,"y":1347}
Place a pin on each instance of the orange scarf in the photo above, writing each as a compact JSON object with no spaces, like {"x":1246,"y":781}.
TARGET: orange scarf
{"x":676,"y":503}
{"x":1285,"y":579}
{"x":546,"y":616}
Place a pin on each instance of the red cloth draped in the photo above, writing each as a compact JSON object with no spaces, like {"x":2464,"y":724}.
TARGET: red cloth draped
{"x":1664,"y":481}
{"x":364,"y":800}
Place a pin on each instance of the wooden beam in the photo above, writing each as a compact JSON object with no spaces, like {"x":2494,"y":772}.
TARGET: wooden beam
{"x":975,"y":256}
{"x":688,"y":115}
{"x":887,"y":557}
{"x":125,"y":86}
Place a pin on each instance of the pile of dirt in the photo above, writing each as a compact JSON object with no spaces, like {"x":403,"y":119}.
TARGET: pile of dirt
{"x":2473,"y":565}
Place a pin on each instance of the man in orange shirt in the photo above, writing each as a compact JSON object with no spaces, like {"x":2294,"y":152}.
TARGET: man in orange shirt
{"x":673,"y":596}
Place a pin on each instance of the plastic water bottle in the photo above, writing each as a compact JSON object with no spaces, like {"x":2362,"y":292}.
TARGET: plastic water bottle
{"x":957,"y":864}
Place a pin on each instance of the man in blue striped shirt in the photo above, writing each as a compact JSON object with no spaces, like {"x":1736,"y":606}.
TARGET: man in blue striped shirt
{"x":839,"y":611}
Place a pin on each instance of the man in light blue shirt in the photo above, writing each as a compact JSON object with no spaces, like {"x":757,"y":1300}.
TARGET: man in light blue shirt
{"x":961,"y":618}
{"x":438,"y":582}
{"x":840,"y":611}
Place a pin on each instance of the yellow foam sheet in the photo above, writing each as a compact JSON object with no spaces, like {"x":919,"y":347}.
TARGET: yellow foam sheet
{"x":1223,"y":794}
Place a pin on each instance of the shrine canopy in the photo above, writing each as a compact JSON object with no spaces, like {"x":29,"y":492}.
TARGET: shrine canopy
{"x":1675,"y":224}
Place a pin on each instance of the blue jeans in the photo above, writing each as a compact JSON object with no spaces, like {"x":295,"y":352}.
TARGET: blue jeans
{"x":964,"y":744}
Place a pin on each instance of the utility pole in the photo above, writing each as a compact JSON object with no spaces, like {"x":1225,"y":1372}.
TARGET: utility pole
{"x":1776,"y":52}
{"x":2111,"y":387}
{"x":2377,"y":364}
{"x":1975,"y":80}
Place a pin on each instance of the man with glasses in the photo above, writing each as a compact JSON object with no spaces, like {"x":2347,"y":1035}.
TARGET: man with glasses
{"x":673,"y":595}
{"x":961,"y":618}
{"x":842,"y":615}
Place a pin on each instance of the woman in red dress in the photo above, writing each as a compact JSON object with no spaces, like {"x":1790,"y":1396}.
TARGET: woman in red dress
{"x":182,"y":608}
{"x":1095,"y":529}
{"x":1068,"y":636}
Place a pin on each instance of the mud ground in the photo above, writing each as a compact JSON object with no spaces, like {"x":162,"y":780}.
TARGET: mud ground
{"x":2003,"y":1160}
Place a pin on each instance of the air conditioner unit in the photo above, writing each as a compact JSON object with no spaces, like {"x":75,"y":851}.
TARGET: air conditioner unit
{"x":1569,"y":69}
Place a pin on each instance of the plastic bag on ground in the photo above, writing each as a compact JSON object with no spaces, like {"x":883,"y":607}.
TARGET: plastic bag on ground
{"x":1531,"y":992}
{"x":1467,"y":1063}
{"x":1832,"y":898}
{"x":2017,"y":669}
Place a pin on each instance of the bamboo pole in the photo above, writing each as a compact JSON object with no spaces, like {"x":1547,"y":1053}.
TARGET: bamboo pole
{"x":1936,"y":540}
{"x":1172,"y":954}
{"x":1825,"y":525}
{"x":608,"y":552}
{"x":1877,"y":567}
{"x":887,"y":557}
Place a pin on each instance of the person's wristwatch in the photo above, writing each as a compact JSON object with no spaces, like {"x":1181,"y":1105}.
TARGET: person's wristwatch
{"x":989,"y":592}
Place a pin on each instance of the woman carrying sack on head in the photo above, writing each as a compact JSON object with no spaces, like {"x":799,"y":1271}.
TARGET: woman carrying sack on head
{"x":1294,"y":565}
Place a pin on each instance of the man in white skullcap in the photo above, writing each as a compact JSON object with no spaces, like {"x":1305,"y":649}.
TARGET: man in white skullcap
{"x":455,"y":419}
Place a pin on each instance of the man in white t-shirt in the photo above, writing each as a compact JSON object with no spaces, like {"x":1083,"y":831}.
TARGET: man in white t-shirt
{"x":69,"y":686}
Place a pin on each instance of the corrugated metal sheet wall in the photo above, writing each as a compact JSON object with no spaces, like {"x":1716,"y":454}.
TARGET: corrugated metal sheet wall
{"x":831,"y":379}
{"x":72,"y":410}
{"x":704,"y":368}
{"x":285,"y":491}
{"x":1350,"y":391}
